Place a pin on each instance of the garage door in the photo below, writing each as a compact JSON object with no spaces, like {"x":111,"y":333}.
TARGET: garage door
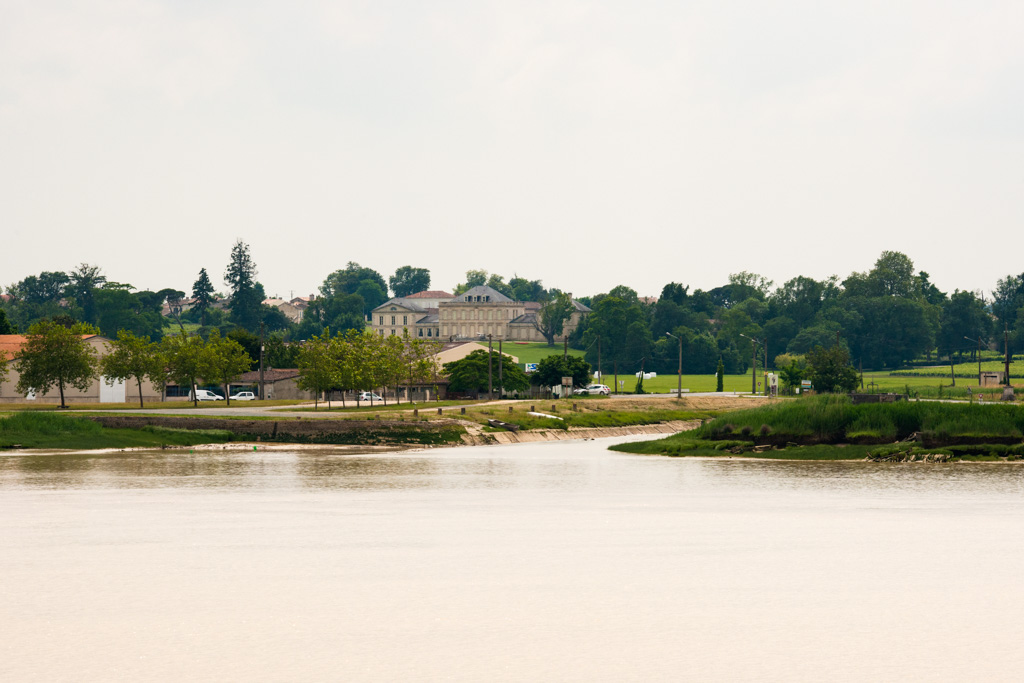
{"x":114,"y":393}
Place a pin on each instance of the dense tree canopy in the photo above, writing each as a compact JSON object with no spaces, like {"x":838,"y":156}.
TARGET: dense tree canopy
{"x":469,"y":374}
{"x":408,"y":280}
{"x":57,"y":356}
{"x":355,"y":279}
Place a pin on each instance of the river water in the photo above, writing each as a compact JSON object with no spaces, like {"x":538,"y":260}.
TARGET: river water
{"x":543,"y":562}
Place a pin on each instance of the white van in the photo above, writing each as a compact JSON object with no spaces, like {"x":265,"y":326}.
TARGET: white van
{"x":204,"y":395}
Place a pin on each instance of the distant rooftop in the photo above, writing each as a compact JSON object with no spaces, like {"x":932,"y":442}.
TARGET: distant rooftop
{"x":481,"y":294}
{"x":431,"y":294}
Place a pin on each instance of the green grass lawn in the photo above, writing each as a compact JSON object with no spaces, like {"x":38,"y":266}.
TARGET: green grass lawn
{"x":663,"y":384}
{"x":966,"y":370}
{"x":534,"y":352}
{"x":929,"y":387}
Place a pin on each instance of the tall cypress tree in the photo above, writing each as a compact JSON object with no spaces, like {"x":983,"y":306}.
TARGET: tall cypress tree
{"x":720,"y":372}
{"x":241,"y":278}
{"x":202,"y":292}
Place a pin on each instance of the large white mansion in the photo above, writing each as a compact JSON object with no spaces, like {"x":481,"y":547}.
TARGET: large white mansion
{"x":474,"y":314}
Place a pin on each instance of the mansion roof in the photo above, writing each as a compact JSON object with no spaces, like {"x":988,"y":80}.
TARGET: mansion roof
{"x":482,"y":294}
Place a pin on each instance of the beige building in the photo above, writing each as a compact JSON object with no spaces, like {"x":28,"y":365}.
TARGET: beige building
{"x":99,"y":390}
{"x":290,"y":310}
{"x":416,"y":313}
{"x":474,"y":314}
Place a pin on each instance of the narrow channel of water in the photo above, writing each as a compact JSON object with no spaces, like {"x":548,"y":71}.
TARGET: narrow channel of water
{"x":553,"y":561}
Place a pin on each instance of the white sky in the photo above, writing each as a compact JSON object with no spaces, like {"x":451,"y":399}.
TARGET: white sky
{"x":584,"y":143}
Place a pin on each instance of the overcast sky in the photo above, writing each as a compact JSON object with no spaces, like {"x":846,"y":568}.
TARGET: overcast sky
{"x":587,"y":144}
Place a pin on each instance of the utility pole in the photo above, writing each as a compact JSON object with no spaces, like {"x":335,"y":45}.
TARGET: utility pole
{"x":615,"y":366}
{"x":979,"y":360}
{"x":565,"y":353}
{"x":501,"y":373}
{"x":1006,"y":351}
{"x":599,"y":359}
{"x":490,"y":386}
{"x":679,"y":389}
{"x":753,"y":358}
{"x":753,"y":376}
{"x":262,"y":395}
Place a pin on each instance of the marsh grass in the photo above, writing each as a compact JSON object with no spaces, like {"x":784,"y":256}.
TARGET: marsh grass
{"x":831,"y":427}
{"x":34,"y":429}
{"x":834,"y":419}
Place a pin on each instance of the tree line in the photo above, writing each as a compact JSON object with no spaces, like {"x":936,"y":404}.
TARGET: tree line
{"x":355,"y":361}
{"x":57,"y":356}
{"x":884,"y":317}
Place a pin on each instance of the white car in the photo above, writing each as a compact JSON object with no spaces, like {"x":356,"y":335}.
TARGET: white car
{"x":368,"y":396}
{"x":205,"y":395}
{"x":244,"y":396}
{"x":593,"y":389}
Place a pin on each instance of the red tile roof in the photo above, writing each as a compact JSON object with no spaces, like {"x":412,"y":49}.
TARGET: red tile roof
{"x":11,"y":344}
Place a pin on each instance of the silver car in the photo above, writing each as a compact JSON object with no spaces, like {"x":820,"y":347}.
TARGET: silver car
{"x":593,"y":390}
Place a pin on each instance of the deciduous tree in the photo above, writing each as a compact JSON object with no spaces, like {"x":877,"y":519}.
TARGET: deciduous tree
{"x":318,"y":369}
{"x":225,"y":362}
{"x":408,"y":280}
{"x":132,"y":357}
{"x":552,"y":369}
{"x":552,"y":316}
{"x":185,"y":360}
{"x":470,"y":373}
{"x":57,"y":356}
{"x":830,"y":371}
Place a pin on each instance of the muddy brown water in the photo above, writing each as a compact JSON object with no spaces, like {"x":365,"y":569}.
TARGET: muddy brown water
{"x":552,"y":561}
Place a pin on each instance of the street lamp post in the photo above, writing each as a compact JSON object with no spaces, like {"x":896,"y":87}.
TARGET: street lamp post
{"x":490,"y":384}
{"x":679,"y":388}
{"x":753,"y":355}
{"x":979,"y":356}
{"x":501,"y":373}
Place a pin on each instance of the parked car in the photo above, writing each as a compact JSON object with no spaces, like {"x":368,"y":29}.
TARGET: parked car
{"x":244,"y":396}
{"x":205,"y":395}
{"x":368,"y":396}
{"x":593,"y":389}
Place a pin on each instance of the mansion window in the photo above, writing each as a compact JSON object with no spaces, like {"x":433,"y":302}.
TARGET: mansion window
{"x":392,"y":322}
{"x":405,"y":320}
{"x":382,"y":320}
{"x":421,"y":331}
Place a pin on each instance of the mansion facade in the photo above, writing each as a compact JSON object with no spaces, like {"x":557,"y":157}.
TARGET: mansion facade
{"x":474,"y":314}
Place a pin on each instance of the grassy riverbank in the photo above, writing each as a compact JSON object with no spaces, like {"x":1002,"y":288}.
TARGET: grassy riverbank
{"x":832,"y":428}
{"x":51,"y":430}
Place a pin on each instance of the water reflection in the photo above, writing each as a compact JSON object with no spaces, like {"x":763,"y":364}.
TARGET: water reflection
{"x":566,"y":466}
